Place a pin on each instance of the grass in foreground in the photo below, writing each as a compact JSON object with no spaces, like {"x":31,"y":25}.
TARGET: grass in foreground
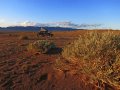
{"x":97,"y":55}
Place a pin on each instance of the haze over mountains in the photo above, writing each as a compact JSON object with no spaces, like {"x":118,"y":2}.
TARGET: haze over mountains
{"x":34,"y":26}
{"x":60,"y":24}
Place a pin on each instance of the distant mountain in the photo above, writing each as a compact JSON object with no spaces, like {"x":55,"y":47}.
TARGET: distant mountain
{"x":33,"y":28}
{"x":53,"y":26}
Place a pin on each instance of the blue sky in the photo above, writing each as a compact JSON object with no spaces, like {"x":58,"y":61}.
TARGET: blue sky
{"x":77,"y":11}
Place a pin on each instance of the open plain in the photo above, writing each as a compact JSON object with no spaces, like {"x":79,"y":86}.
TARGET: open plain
{"x":21,"y":69}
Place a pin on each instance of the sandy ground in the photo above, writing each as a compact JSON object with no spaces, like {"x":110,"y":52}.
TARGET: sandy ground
{"x":23,"y":70}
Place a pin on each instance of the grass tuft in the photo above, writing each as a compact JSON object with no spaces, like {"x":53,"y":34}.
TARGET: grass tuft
{"x":42,"y":46}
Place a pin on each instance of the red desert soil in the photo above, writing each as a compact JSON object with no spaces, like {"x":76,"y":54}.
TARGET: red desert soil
{"x":23,"y":70}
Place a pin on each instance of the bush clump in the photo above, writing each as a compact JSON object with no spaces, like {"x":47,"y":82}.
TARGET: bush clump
{"x":96,"y":55}
{"x":42,"y":46}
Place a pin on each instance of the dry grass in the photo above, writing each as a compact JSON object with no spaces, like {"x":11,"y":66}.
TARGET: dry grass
{"x":96,"y":55}
{"x":42,"y":46}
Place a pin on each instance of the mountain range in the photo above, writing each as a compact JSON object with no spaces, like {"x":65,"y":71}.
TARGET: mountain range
{"x":55,"y":26}
{"x":33,"y":28}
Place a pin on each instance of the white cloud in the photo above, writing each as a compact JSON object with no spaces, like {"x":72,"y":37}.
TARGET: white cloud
{"x":51,"y":24}
{"x":67,"y":24}
{"x":64,"y":24}
{"x":27,"y":23}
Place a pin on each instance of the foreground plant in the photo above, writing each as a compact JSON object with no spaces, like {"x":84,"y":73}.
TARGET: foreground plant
{"x":42,"y":46}
{"x":96,"y":55}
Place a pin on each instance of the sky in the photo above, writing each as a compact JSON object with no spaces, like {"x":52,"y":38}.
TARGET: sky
{"x":105,"y":12}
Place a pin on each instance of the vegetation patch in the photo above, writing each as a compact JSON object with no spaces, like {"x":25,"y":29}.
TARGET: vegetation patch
{"x":96,"y":55}
{"x":42,"y":46}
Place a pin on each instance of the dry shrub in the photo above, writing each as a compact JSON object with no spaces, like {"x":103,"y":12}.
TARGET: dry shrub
{"x":42,"y":46}
{"x":23,"y":37}
{"x":96,"y":55}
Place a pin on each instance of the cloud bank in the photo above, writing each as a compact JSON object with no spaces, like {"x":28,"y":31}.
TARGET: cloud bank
{"x":66,"y":24}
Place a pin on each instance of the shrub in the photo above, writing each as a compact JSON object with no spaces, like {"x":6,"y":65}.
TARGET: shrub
{"x":22,"y":37}
{"x":42,"y":46}
{"x":96,"y":55}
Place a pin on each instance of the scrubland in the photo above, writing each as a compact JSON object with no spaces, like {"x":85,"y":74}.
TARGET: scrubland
{"x":70,"y":60}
